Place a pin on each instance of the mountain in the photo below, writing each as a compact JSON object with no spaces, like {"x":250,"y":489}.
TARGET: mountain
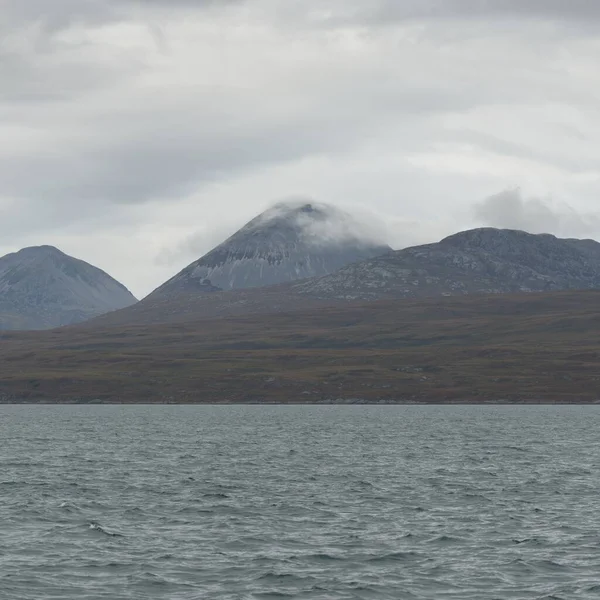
{"x":287,"y":242}
{"x":479,"y":261}
{"x":41,"y":287}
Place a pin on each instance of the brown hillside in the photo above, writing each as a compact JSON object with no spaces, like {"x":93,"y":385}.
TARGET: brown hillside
{"x":524,"y":348}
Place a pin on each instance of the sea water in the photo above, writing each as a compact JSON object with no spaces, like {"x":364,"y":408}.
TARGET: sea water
{"x":241,"y":502}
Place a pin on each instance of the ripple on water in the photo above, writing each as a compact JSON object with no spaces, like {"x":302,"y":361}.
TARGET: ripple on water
{"x":463,"y":503}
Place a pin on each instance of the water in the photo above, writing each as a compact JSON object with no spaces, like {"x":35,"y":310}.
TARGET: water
{"x":274,"y":502}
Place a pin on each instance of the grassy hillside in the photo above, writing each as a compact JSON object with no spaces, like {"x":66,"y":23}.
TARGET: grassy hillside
{"x":525,"y":348}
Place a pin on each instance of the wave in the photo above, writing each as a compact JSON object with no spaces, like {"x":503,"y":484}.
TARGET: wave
{"x":96,"y":527}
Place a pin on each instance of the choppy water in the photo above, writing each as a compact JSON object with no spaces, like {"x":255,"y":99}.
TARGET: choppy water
{"x":332,"y":502}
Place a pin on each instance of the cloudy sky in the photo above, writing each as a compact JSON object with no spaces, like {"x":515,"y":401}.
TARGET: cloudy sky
{"x":136,"y":134}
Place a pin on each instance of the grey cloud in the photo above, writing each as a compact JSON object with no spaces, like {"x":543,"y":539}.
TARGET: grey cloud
{"x":117,"y":114}
{"x":56,"y":15}
{"x":391,"y":10}
{"x":61,"y":14}
{"x":38,"y":82}
{"x":581,"y":9}
{"x":151,"y":159}
{"x":578,"y":14}
{"x":510,"y":210}
{"x":135,"y":148}
{"x":543,"y":155}
{"x":187,"y":3}
{"x":404,"y":9}
{"x":134,"y":151}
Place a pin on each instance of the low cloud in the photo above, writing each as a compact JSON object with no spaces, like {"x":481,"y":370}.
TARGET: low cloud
{"x":195,"y":245}
{"x":335,"y":226}
{"x":350,"y":223}
{"x":510,"y":210}
{"x":357,"y":226}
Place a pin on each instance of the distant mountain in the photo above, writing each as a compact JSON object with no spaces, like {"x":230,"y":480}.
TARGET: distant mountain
{"x":41,"y":287}
{"x":479,"y":261}
{"x":289,"y":241}
{"x":483,"y":261}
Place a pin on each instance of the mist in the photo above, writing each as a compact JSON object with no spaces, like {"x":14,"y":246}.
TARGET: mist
{"x":509,"y":209}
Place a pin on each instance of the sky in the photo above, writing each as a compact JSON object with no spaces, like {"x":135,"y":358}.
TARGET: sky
{"x":138,"y":134}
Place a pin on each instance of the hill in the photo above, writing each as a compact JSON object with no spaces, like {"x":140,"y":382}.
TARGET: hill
{"x":478,"y":261}
{"x":499,"y":348}
{"x":42,"y":287}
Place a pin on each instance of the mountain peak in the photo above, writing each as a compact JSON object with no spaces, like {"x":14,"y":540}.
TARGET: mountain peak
{"x":482,"y":236}
{"x":299,"y":216}
{"x":43,"y":250}
{"x":42,"y":287}
{"x":291,"y":207}
{"x":290,"y":240}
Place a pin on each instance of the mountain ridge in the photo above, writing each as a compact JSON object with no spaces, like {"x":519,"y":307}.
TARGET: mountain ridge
{"x":480,"y":261}
{"x":483,"y":261}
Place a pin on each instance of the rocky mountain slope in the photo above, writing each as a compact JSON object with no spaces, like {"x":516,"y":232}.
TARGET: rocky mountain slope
{"x":479,"y":261}
{"x":41,"y":287}
{"x":289,"y":241}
